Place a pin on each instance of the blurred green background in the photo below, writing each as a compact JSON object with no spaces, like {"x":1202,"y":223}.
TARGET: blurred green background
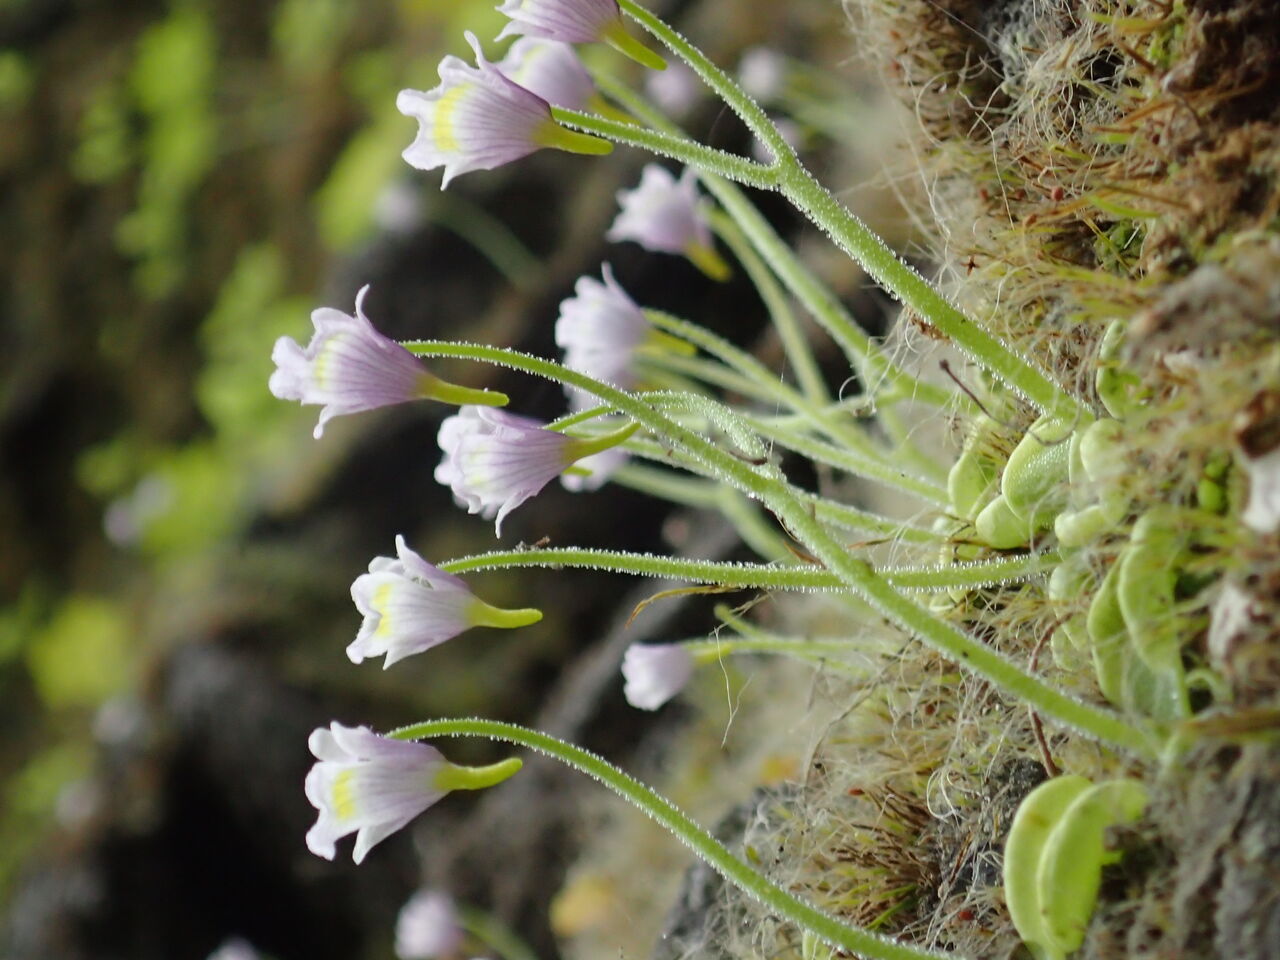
{"x":180,"y":184}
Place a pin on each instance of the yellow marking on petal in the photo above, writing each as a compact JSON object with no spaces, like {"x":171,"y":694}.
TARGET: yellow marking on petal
{"x":445,"y":108}
{"x":320,"y":368}
{"x":379,"y":605}
{"x":344,"y":795}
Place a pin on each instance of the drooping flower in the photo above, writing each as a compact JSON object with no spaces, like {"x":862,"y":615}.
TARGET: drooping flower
{"x":550,"y":69}
{"x":654,"y":673}
{"x":410,"y":606}
{"x":666,"y":215}
{"x":478,"y":119}
{"x":599,"y":329}
{"x":495,"y":463}
{"x":372,"y":786}
{"x":428,"y":927}
{"x":349,"y":367}
{"x":576,"y":21}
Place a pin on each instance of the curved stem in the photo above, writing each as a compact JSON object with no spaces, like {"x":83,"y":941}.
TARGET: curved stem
{"x":827,"y":653}
{"x":877,"y":372}
{"x":855,"y":462}
{"x":794,"y":342}
{"x":675,"y":821}
{"x":883,"y":265}
{"x":853,"y":236}
{"x":755,"y":576}
{"x":765,"y":483}
{"x":726,"y":89}
{"x":700,"y":370}
{"x":702,"y":494}
{"x":686,"y":151}
{"x":731,"y":356}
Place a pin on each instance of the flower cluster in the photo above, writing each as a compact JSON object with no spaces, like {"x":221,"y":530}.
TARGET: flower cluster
{"x":480,"y":117}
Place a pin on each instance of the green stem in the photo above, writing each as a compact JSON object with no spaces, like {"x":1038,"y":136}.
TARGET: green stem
{"x":764,"y":483}
{"x":494,"y":934}
{"x":877,"y":372}
{"x":707,"y":372}
{"x":675,"y":821}
{"x":489,"y":235}
{"x":841,"y":515}
{"x":756,"y":576}
{"x":829,"y":653}
{"x":856,"y":453}
{"x":726,"y":89}
{"x":757,"y":533}
{"x":883,"y":265}
{"x":767,"y":381}
{"x":669,"y":485}
{"x":794,"y":342}
{"x":854,"y":462}
{"x":679,"y":148}
{"x":812,"y":199}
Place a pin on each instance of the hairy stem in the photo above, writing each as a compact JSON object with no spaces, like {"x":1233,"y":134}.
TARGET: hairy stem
{"x":686,"y":151}
{"x":755,"y":576}
{"x":675,"y":821}
{"x":763,"y":482}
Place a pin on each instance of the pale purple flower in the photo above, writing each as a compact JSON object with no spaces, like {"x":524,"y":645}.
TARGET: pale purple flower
{"x":761,"y":73}
{"x":348,"y":367}
{"x":600,"y":328}
{"x":667,"y":215}
{"x":367,"y":785}
{"x":409,"y":606}
{"x":551,"y":70}
{"x":477,"y":119}
{"x":576,"y":21}
{"x":428,"y":927}
{"x":655,"y":673}
{"x":676,"y":90}
{"x":494,"y":461}
{"x":569,"y":21}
